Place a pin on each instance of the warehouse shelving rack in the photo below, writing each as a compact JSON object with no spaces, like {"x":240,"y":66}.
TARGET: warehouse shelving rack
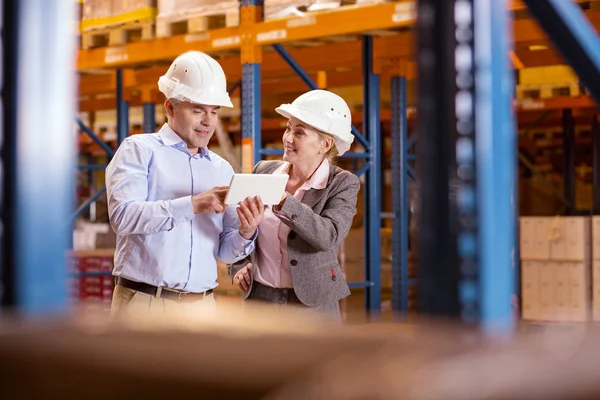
{"x":253,"y":34}
{"x":249,"y":38}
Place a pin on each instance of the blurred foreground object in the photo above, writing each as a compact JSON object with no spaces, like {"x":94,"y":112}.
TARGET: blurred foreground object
{"x":255,"y":354}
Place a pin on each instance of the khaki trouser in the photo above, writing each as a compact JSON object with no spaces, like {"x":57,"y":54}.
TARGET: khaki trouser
{"x":127,"y":302}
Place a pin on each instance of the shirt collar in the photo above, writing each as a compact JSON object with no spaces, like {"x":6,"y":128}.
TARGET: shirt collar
{"x":318,"y":180}
{"x":170,"y":138}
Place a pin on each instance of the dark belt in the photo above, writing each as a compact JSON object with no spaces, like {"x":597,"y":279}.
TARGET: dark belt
{"x":273,"y":295}
{"x":161,"y":292}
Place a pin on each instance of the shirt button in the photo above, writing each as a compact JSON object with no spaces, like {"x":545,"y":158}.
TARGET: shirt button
{"x":294,"y":263}
{"x":284,"y":291}
{"x":333,"y":278}
{"x":294,"y":216}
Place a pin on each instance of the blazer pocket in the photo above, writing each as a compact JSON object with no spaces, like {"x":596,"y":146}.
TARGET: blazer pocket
{"x":335,"y":286}
{"x":320,"y":284}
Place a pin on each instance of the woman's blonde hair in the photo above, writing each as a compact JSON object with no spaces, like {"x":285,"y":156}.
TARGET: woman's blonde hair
{"x":332,"y":153}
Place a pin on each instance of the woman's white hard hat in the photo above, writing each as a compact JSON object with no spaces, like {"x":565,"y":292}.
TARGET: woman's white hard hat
{"x":325,"y":111}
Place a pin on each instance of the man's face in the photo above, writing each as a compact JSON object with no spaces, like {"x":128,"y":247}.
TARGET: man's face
{"x":194,"y":123}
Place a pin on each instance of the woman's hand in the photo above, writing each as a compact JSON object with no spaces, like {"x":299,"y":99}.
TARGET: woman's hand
{"x":243,"y":278}
{"x":251,"y":213}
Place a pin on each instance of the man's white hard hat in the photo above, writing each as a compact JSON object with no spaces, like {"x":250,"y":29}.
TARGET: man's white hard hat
{"x":196,"y":77}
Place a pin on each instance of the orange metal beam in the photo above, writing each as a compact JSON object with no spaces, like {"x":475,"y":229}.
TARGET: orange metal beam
{"x":346,"y":20}
{"x":346,"y":55}
{"x":292,"y":84}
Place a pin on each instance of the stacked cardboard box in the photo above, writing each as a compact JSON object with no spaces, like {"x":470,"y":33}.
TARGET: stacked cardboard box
{"x":193,"y":16}
{"x":596,"y":268}
{"x":104,"y":13}
{"x":555,"y":268}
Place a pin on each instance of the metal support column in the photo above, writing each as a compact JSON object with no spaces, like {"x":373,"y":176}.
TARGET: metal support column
{"x":122,"y":110}
{"x":372,"y":193}
{"x":496,"y":144}
{"x":400,"y":228}
{"x":596,"y":163}
{"x":149,"y":116}
{"x":251,"y":116}
{"x":468,"y":159}
{"x":251,"y":57}
{"x":35,"y":239}
{"x":574,"y":37}
{"x":569,"y":160}
{"x":436,"y":121}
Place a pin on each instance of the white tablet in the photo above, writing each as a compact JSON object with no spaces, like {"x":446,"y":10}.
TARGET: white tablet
{"x":269,"y":187}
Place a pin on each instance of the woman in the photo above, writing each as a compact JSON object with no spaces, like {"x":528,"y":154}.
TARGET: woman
{"x":295,"y":260}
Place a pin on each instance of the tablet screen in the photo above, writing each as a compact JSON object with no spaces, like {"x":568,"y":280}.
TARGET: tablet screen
{"x":269,"y":187}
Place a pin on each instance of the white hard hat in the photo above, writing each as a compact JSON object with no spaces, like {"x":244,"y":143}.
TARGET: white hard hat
{"x":196,"y":77}
{"x":325,"y":111}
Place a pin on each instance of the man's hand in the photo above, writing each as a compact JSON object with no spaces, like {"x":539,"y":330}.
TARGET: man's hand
{"x":211,"y":200}
{"x":243,"y":278}
{"x":251,"y":213}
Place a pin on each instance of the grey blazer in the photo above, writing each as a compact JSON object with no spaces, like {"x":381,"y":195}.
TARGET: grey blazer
{"x":318,"y":225}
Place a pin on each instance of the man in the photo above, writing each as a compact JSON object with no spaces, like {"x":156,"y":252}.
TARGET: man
{"x":166,"y":200}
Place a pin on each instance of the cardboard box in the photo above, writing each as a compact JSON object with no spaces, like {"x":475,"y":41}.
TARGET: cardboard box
{"x":530,"y":290}
{"x":534,"y":238}
{"x":547,"y":292}
{"x":596,"y":237}
{"x":561,"y":291}
{"x":578,"y":235}
{"x":579,"y":291}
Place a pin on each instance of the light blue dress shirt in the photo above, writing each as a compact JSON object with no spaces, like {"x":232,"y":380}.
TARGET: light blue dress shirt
{"x":160,"y":241}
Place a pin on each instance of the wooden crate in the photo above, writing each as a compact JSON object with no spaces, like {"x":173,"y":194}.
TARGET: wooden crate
{"x":127,"y":25}
{"x":181,"y":21}
{"x":118,"y":35}
{"x":525,"y":92}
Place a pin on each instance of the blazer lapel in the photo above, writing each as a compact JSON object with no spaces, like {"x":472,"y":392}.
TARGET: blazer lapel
{"x":312,"y":197}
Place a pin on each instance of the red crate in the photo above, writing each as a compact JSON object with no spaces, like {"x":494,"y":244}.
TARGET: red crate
{"x":91,"y":289}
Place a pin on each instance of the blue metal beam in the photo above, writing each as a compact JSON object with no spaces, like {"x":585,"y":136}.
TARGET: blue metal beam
{"x":371,"y":125}
{"x":39,"y":66}
{"x":86,"y":204}
{"x":574,"y":37}
{"x":251,"y":110}
{"x":149,"y":121}
{"x":496,"y":157}
{"x":364,"y":284}
{"x":295,"y":66}
{"x":122,"y":111}
{"x":363,"y":170}
{"x":400,"y":195}
{"x":271,"y":152}
{"x":312,"y":85}
{"x":356,"y":155}
{"x":94,"y":137}
{"x":235,"y":86}
{"x":411,"y":173}
{"x":91,"y":167}
{"x":569,"y":160}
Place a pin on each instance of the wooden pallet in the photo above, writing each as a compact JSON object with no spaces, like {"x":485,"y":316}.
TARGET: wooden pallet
{"x":120,"y":34}
{"x":525,"y":92}
{"x":168,"y":26}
